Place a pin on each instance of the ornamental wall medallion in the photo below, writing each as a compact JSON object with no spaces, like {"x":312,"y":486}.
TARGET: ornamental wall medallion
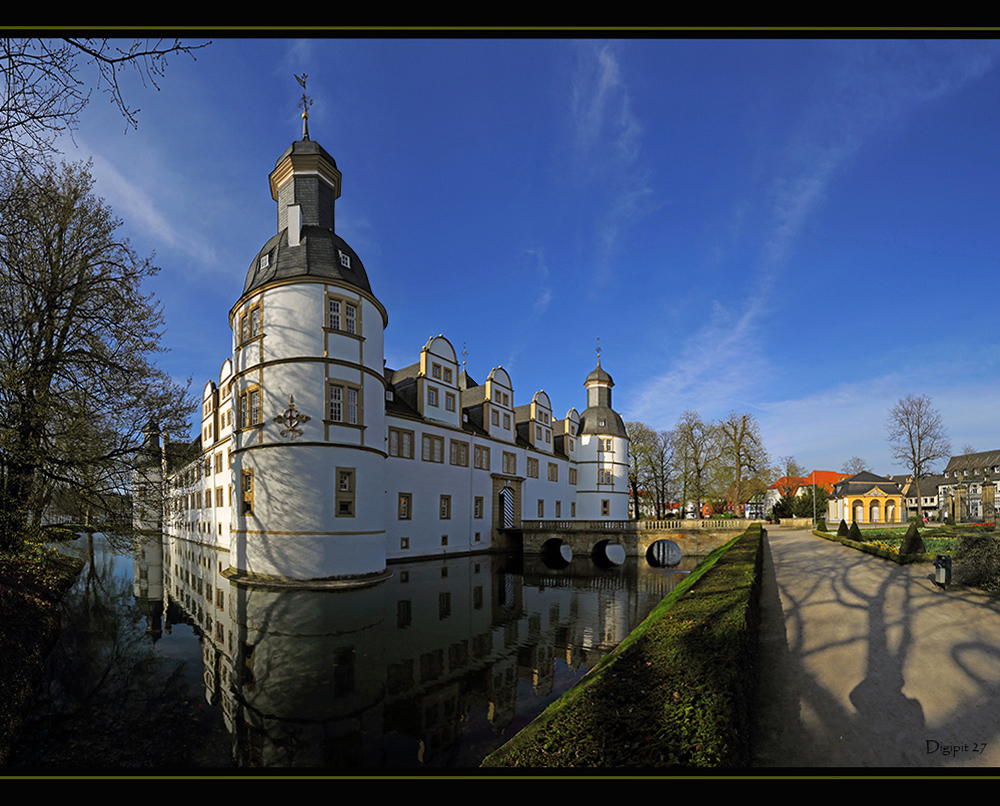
{"x":292,"y":418}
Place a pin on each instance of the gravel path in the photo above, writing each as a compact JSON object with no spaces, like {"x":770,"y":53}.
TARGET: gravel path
{"x":865,"y":663}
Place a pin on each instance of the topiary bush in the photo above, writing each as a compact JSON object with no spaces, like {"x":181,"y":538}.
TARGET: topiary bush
{"x":842,"y":530}
{"x":854,"y":533}
{"x":821,"y":524}
{"x":912,"y":543}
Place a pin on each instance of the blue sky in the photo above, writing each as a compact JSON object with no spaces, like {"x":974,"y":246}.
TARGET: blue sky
{"x":806,"y":230}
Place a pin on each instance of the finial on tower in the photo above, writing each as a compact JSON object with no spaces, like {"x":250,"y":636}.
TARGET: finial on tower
{"x":304,"y":105}
{"x":598,"y":351}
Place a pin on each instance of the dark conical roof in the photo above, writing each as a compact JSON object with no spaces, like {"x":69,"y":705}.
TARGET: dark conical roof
{"x":318,"y":255}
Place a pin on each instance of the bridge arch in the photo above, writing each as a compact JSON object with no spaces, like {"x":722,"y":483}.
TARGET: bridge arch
{"x":556,"y":553}
{"x":664,"y":553}
{"x":608,"y":553}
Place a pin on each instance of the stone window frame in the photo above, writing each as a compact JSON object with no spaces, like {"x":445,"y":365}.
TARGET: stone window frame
{"x":342,"y":315}
{"x":346,"y":484}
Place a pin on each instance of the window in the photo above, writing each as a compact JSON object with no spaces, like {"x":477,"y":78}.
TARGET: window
{"x":506,"y":422}
{"x":605,"y":507}
{"x":432,"y":396}
{"x":482,"y":458}
{"x":246,"y":492}
{"x":509,"y":463}
{"x":432,"y":448}
{"x":572,"y":509}
{"x":400,"y":443}
{"x":477,"y":507}
{"x":459,"y":453}
{"x":436,"y":371}
{"x":345,"y":259}
{"x":449,"y":401}
{"x":342,"y":315}
{"x":553,"y":472}
{"x":541,"y":509}
{"x":538,"y":433}
{"x":604,"y":445}
{"x":572,"y":475}
{"x":495,"y":417}
{"x":345,"y":492}
{"x":250,"y":407}
{"x":447,"y":375}
{"x":445,"y":507}
{"x":345,"y":404}
{"x":605,"y":476}
{"x":218,"y":496}
{"x":532,"y":467}
{"x":405,"y":507}
{"x":250,"y":323}
{"x":558,"y":509}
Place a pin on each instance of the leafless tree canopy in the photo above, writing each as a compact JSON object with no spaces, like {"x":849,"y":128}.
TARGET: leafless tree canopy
{"x":917,"y":437}
{"x":854,"y":465}
{"x":48,"y":82}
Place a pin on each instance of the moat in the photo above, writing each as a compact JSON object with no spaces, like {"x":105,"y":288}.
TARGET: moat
{"x":165,"y":662}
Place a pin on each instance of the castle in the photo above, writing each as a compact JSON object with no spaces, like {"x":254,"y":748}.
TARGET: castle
{"x":317,"y":462}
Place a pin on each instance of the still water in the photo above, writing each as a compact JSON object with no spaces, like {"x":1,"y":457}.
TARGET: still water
{"x":164,"y":662}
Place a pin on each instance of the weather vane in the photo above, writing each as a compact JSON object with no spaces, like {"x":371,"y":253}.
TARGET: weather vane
{"x":304,"y":105}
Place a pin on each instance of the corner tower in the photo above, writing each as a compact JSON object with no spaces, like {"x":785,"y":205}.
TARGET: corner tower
{"x":308,"y":459}
{"x":602,"y":459}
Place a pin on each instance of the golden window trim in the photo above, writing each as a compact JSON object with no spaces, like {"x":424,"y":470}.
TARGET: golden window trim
{"x":359,"y":404}
{"x":343,"y":300}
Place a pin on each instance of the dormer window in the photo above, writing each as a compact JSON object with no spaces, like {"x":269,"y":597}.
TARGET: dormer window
{"x":345,"y":259}
{"x":265,"y":261}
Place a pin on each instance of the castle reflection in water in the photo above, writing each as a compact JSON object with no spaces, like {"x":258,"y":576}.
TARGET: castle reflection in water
{"x":436,"y":666}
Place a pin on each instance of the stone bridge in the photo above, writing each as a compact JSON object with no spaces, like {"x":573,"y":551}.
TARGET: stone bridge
{"x":636,"y":538}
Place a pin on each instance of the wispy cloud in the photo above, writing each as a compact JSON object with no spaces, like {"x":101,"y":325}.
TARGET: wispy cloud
{"x":869,"y":90}
{"x":608,"y":143}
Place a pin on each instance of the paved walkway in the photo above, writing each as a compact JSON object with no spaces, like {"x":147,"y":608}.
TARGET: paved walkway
{"x":865,"y":663}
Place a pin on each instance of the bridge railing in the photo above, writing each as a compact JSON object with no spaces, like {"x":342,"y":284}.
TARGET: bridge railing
{"x":673,"y":524}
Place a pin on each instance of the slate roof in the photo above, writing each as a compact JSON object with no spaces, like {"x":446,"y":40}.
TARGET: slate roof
{"x":317,"y":255}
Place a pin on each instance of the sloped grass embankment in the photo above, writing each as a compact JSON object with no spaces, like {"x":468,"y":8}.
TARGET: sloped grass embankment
{"x":677,"y":692}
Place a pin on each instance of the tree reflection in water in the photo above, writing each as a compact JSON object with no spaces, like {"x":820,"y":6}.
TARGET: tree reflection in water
{"x":108,"y":699}
{"x":435,"y":667}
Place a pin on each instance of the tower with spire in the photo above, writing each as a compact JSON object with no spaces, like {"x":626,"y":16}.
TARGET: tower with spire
{"x":308,"y":346}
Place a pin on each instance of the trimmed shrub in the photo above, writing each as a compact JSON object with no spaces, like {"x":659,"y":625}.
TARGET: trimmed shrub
{"x":977,"y":561}
{"x":842,"y":530}
{"x":821,"y":524}
{"x":912,"y":543}
{"x":854,"y":533}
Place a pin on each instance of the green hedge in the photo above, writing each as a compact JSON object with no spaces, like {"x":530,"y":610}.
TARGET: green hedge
{"x":677,"y":692}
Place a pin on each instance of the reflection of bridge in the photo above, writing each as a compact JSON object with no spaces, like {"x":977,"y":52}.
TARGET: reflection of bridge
{"x":636,"y":538}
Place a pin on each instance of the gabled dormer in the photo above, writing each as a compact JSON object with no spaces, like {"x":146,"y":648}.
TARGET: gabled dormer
{"x":498,"y":405}
{"x":437,"y":382}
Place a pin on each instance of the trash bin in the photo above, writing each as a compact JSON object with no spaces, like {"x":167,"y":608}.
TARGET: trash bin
{"x":942,"y":569}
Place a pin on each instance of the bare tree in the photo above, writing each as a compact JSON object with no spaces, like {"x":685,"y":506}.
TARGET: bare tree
{"x":651,"y":468}
{"x":696,"y":444}
{"x":77,"y":338}
{"x":917,"y":438}
{"x":854,"y":465}
{"x":47,"y":84}
{"x":743,"y":460}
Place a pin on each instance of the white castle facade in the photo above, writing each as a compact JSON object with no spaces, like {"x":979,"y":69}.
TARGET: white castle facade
{"x":319,"y":463}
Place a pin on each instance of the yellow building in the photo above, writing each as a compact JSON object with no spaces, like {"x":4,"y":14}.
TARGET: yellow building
{"x":866,"y":498}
